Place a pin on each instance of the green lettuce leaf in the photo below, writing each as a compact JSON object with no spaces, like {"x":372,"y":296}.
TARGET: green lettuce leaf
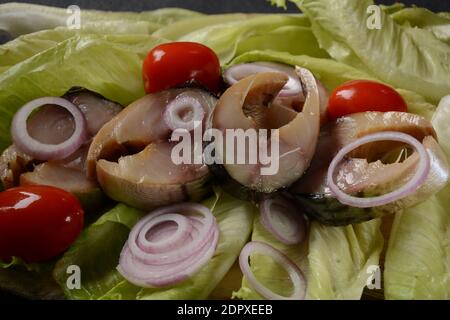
{"x":28,"y":45}
{"x":417,"y":262}
{"x":230,"y":283}
{"x":440,"y":123}
{"x":331,"y":73}
{"x":109,"y":65}
{"x":423,"y":18}
{"x":96,"y":260}
{"x":341,"y":259}
{"x":97,"y":252}
{"x":334,"y":260}
{"x":389,"y":9}
{"x":295,"y":40}
{"x":403,"y":57}
{"x":393,"y":8}
{"x":15,"y":261}
{"x":29,"y":280}
{"x":418,"y":256}
{"x":178,"y":29}
{"x":23,"y":18}
{"x":225,"y":38}
{"x":29,"y":284}
{"x":279,"y":3}
{"x":417,"y":104}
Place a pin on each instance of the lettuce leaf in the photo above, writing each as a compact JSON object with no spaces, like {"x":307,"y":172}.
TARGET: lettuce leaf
{"x":29,"y":284}
{"x":334,"y":261}
{"x":230,"y":282}
{"x":23,"y":18}
{"x":417,"y":104}
{"x":403,"y":57}
{"x":97,"y":251}
{"x":393,"y":8}
{"x":423,"y":18}
{"x":389,"y":9}
{"x":417,"y":262}
{"x":295,"y":40}
{"x":15,"y":261}
{"x":28,"y":45}
{"x":331,"y":73}
{"x":418,"y":256}
{"x":109,"y":65}
{"x":29,"y":280}
{"x":178,"y":29}
{"x":225,"y":38}
{"x":279,"y":3}
{"x":440,"y":123}
{"x":341,"y":258}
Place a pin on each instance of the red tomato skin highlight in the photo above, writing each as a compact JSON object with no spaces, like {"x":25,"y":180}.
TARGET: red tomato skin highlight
{"x":174,"y":64}
{"x":363,"y":95}
{"x":38,"y":222}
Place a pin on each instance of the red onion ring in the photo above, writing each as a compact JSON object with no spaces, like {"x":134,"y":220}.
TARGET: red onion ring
{"x":423,"y":169}
{"x":174,"y":256}
{"x":44,"y":151}
{"x":168,"y":242}
{"x":287,"y":225}
{"x":184,"y":112}
{"x":296,"y":275}
{"x":239,"y":71}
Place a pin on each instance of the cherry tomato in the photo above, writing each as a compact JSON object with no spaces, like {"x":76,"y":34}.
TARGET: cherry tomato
{"x":363,"y":95}
{"x":38,"y":222}
{"x":173,"y":64}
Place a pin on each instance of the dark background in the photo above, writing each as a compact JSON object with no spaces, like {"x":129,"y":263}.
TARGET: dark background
{"x":210,"y":6}
{"x":206,"y":6}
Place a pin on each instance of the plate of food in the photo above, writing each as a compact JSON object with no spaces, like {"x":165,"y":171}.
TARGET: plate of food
{"x":177,"y":155}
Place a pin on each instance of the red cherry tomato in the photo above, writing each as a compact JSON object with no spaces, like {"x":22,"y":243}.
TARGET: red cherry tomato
{"x":37,"y":222}
{"x":173,"y":64}
{"x":363,"y":95}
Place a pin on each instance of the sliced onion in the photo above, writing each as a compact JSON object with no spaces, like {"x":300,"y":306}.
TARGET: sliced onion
{"x":44,"y":151}
{"x":422,"y":170}
{"x":169,"y":240}
{"x":296,"y":275}
{"x":177,"y":253}
{"x":184,"y":112}
{"x":239,"y":71}
{"x":283,"y":220}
